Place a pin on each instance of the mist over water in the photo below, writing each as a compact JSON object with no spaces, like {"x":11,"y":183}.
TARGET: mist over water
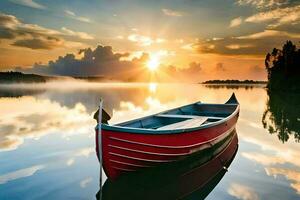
{"x":47,"y":138}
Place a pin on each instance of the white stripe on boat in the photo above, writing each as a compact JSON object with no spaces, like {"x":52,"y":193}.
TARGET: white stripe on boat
{"x":205,"y":146}
{"x":151,"y":153}
{"x":141,"y":159}
{"x":123,"y":169}
{"x":130,"y":164}
{"x":172,"y":147}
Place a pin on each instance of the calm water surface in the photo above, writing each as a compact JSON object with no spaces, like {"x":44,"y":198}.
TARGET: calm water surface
{"x":47,"y":137}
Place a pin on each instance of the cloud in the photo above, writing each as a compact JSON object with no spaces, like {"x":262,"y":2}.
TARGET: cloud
{"x":262,"y":3}
{"x":141,"y":40}
{"x":70,"y":161}
{"x":270,"y":33}
{"x":28,"y":3}
{"x":277,"y":17}
{"x":272,"y":151}
{"x":220,"y":67}
{"x":194,"y":66}
{"x":144,"y":40}
{"x":264,"y":159}
{"x":172,"y":13}
{"x":72,"y":15}
{"x":99,"y":61}
{"x":86,"y":152}
{"x":191,"y":73}
{"x":81,"y":35}
{"x":8,"y":21}
{"x":85,"y":182}
{"x":103,"y":61}
{"x":189,"y":47}
{"x":236,"y":22}
{"x":253,"y":44}
{"x":83,"y":152}
{"x":34,"y":36}
{"x":256,"y":69}
{"x":238,"y":46}
{"x":28,"y":35}
{"x":20,"y":123}
{"x":40,"y":43}
{"x":22,"y":173}
{"x":242,"y":192}
{"x":290,"y":174}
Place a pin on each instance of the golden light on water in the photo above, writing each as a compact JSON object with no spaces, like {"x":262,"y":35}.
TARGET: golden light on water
{"x":152,"y":87}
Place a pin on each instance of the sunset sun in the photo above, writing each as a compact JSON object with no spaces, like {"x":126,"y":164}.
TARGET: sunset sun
{"x":153,"y":63}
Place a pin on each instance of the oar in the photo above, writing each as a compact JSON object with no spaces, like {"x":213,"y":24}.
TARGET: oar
{"x":102,"y":117}
{"x":100,"y":139}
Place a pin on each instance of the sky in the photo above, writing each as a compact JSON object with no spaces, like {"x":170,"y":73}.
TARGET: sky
{"x":175,"y":40}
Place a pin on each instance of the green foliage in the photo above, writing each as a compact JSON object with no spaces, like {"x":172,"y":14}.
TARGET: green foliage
{"x":283,"y":66}
{"x":282,"y":116}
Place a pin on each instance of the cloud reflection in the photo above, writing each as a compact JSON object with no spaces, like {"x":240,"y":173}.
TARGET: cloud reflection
{"x":32,"y":118}
{"x":292,"y":175}
{"x":22,"y":173}
{"x":85,"y":182}
{"x":242,"y":192}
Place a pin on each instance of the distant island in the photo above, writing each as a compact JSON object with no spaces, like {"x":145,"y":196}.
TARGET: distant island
{"x":18,"y":77}
{"x":93,"y":78}
{"x":234,"y":82}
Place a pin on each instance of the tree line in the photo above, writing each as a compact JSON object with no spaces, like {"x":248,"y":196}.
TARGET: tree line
{"x":18,"y":77}
{"x":283,"y":67}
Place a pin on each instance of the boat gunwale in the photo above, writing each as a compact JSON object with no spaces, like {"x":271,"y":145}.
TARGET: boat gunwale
{"x":122,"y":129}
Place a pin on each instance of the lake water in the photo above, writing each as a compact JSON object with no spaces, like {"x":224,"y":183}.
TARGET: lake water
{"x":47,"y":137}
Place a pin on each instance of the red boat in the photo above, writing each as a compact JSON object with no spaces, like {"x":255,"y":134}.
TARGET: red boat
{"x":165,"y":137}
{"x":191,"y":178}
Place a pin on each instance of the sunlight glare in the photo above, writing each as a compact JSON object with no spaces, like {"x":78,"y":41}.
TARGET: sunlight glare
{"x":152,"y":87}
{"x":153,"y":63}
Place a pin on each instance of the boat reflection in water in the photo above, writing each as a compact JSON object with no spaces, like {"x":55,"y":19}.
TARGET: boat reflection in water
{"x":195,"y":176}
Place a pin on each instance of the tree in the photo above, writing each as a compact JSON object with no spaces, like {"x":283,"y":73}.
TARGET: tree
{"x":283,"y":67}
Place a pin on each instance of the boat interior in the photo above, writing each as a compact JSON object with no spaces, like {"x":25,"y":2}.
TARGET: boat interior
{"x":190,"y":116}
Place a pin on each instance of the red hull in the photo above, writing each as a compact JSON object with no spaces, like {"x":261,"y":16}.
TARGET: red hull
{"x":190,"y":178}
{"x":128,"y":152}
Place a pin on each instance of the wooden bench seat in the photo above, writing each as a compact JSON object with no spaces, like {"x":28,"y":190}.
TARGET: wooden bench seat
{"x":187,"y":116}
{"x":189,"y":123}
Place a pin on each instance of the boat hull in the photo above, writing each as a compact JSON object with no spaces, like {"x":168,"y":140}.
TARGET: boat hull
{"x":125,"y":152}
{"x":185,"y":180}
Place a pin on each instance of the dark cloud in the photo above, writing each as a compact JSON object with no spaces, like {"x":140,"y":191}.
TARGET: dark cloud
{"x":220,"y":67}
{"x":253,"y":44}
{"x":28,"y":35}
{"x":264,"y":4}
{"x":191,"y":73}
{"x":48,"y":43}
{"x":37,"y":37}
{"x":99,"y":61}
{"x":7,"y":24}
{"x":193,"y":67}
{"x":102,"y":61}
{"x":7,"y":20}
{"x":257,"y":69}
{"x":6,"y":33}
